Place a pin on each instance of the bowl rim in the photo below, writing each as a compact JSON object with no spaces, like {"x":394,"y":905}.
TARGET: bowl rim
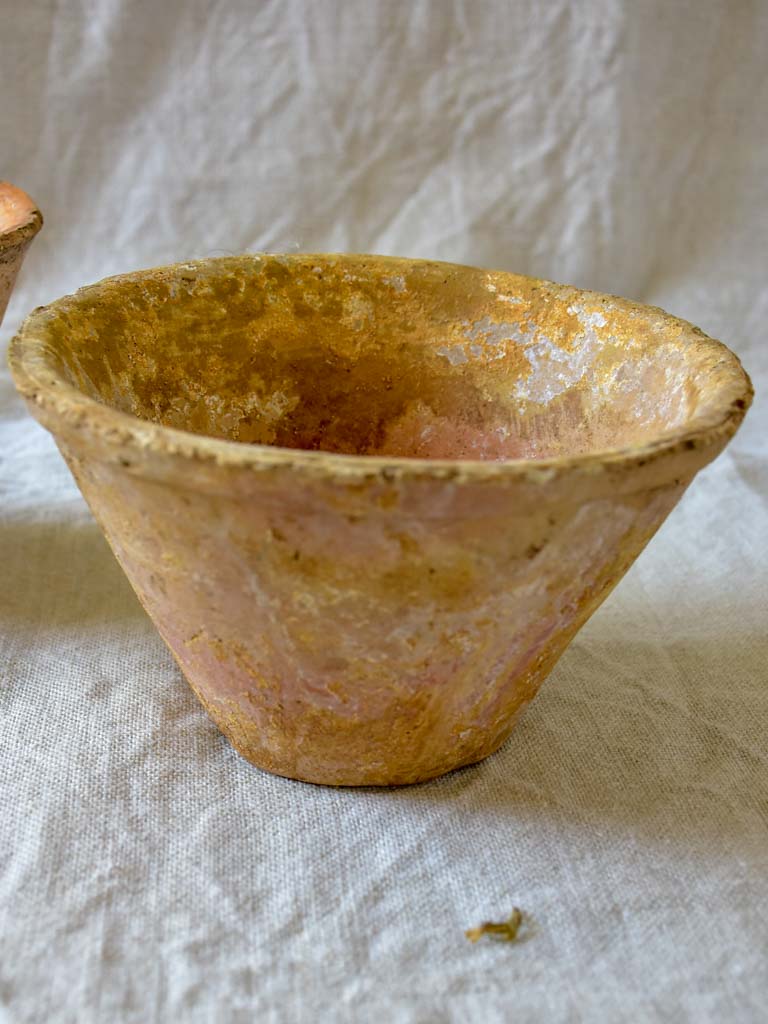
{"x":29,"y":222}
{"x":63,"y":408}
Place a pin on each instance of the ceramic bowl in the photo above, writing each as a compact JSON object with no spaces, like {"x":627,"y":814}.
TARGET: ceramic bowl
{"x":368,"y":501}
{"x":20,"y":220}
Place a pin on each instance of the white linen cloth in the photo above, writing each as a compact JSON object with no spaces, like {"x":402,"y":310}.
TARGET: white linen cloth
{"x":147,"y":873}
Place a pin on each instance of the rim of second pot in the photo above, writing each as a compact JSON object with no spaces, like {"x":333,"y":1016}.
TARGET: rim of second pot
{"x":27,"y":225}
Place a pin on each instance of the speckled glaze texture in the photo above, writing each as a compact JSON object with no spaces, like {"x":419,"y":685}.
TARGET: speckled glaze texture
{"x":20,"y":220}
{"x":368,"y":501}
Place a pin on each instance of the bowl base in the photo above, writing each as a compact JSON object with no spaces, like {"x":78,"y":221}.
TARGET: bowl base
{"x":359,"y":778}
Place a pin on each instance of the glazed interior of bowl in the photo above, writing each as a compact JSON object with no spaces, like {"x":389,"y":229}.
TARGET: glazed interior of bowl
{"x":375,"y":356}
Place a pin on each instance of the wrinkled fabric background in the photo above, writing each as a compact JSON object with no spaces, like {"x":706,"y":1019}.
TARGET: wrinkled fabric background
{"x":147,"y":873}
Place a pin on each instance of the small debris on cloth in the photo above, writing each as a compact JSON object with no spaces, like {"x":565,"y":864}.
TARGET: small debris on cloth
{"x":503,"y":931}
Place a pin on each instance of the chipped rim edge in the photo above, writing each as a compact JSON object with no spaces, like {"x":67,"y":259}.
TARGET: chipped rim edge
{"x":23,"y":230}
{"x":63,"y":408}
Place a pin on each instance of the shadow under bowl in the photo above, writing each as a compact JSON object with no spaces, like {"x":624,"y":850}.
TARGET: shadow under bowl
{"x":368,"y":501}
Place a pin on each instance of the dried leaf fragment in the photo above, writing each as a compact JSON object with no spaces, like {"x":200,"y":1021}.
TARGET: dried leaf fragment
{"x":502,"y":931}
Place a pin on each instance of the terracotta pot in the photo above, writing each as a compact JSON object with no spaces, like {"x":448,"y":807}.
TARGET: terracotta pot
{"x":20,"y":220}
{"x":368,"y":501}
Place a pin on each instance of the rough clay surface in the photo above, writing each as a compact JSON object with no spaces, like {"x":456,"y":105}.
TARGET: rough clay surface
{"x":355,"y":620}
